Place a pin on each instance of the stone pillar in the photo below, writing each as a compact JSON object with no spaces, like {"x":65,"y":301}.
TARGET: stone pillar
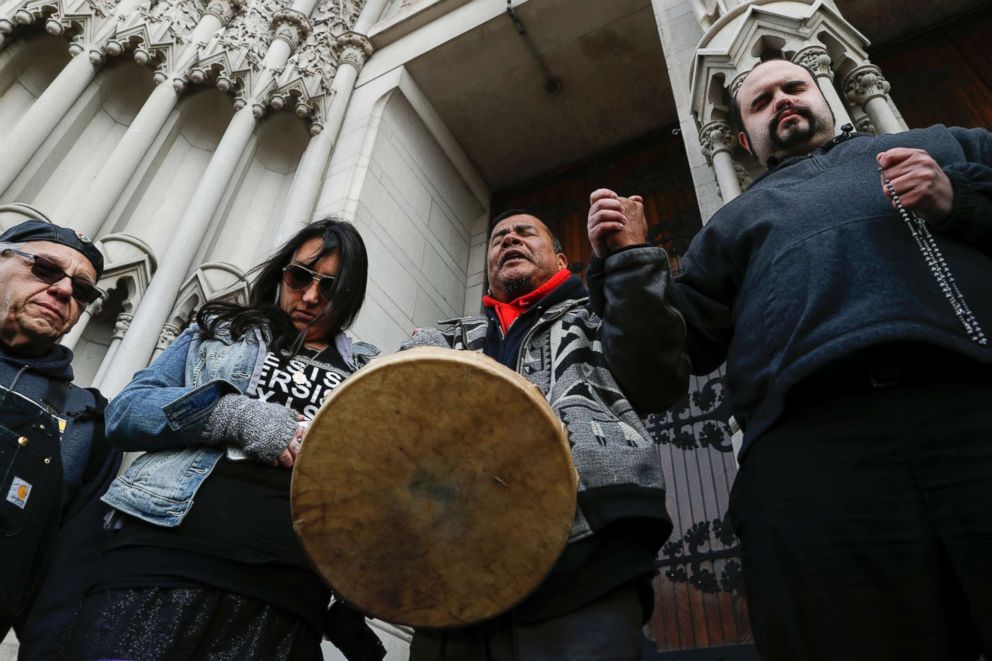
{"x":113,"y":178}
{"x":717,"y":140}
{"x":143,"y":333}
{"x":40,"y":120}
{"x":120,"y":330}
{"x":863,"y":124}
{"x":867,"y":87}
{"x":71,"y":339}
{"x":353,"y":50}
{"x":168,"y":335}
{"x":369,"y":16}
{"x":816,"y":59}
{"x":142,"y":336}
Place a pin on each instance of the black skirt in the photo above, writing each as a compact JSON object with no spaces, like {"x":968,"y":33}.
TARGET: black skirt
{"x":188,"y":623}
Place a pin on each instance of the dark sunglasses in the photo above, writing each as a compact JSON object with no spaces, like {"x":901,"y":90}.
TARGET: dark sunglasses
{"x":49,"y":272}
{"x":296,"y":276}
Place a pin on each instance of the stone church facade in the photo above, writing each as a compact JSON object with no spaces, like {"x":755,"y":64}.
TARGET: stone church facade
{"x":190,"y":137}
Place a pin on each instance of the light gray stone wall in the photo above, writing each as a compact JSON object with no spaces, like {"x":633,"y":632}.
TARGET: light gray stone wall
{"x":680,"y":34}
{"x":422,"y":221}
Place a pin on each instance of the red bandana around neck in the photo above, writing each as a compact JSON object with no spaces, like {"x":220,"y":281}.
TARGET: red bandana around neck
{"x":507,"y":313}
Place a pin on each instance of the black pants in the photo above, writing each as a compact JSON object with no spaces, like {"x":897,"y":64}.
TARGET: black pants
{"x":608,"y":629}
{"x":866,"y":527}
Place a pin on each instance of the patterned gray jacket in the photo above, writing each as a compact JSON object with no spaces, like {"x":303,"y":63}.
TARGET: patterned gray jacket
{"x":602,"y":363}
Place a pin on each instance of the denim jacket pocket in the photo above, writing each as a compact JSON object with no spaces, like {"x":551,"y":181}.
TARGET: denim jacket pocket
{"x":159,"y":486}
{"x":188,"y":411}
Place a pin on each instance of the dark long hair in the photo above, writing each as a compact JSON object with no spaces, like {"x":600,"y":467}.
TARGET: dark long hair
{"x":263,"y":308}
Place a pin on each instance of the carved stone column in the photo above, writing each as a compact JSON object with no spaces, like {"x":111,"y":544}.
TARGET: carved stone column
{"x":352,"y":50}
{"x":864,"y":125}
{"x":817,"y":60}
{"x":222,"y":10}
{"x":289,"y":28}
{"x":168,"y":335}
{"x":116,"y":172}
{"x":48,"y":109}
{"x":71,"y":339}
{"x":153,"y":312}
{"x":867,"y":87}
{"x":40,"y":120}
{"x":717,"y":140}
{"x":743,"y":176}
{"x":120,"y":329}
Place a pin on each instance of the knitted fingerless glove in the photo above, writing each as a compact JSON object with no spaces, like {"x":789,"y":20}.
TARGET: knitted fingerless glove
{"x":261,"y":429}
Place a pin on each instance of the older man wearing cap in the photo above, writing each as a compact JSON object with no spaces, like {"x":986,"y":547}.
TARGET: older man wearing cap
{"x":54,"y":461}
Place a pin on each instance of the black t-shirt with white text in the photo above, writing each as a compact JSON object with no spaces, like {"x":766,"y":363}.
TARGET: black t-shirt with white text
{"x":302,"y":383}
{"x":239,"y":535}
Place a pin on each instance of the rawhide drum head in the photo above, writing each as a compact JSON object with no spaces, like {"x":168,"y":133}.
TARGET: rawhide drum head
{"x":435,"y":488}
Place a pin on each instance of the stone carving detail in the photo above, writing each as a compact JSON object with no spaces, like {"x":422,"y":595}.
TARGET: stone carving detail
{"x":817,"y":60}
{"x":168,"y":335}
{"x":315,"y":58}
{"x":103,"y":8}
{"x":304,"y":84}
{"x":743,"y":177}
{"x":864,"y":124}
{"x":715,"y":137}
{"x":224,"y":10}
{"x":249,"y":32}
{"x":864,"y":84}
{"x":291,"y":26}
{"x":735,"y":84}
{"x":178,"y":17}
{"x":319,"y":54}
{"x":339,"y":15}
{"x":121,"y":325}
{"x":88,"y":21}
{"x":353,"y":48}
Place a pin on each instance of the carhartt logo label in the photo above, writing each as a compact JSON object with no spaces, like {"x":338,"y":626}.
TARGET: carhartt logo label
{"x":19,"y":492}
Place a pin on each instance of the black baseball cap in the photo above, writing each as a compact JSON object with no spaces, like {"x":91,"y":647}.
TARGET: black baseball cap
{"x":40,"y":230}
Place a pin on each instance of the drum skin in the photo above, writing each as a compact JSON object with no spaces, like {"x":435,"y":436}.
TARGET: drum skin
{"x":435,"y":488}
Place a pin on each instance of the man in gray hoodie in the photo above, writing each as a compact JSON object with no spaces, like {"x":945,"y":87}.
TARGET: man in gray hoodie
{"x":54,"y":460}
{"x":849,"y":291}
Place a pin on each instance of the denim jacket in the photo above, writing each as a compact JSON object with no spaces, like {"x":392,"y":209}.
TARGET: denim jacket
{"x":163,"y":410}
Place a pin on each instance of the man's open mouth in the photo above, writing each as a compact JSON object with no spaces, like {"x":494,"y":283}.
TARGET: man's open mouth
{"x":511,"y":254}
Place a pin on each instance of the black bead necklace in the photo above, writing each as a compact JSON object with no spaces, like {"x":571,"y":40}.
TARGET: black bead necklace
{"x":938,"y":265}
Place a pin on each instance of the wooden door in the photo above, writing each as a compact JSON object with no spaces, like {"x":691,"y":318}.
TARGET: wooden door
{"x":943,"y":76}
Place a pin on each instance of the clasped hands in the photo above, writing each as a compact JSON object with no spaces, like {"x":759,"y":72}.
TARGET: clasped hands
{"x":615,"y":222}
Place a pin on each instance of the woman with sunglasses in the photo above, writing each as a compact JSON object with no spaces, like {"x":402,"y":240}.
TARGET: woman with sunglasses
{"x":205,"y":563}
